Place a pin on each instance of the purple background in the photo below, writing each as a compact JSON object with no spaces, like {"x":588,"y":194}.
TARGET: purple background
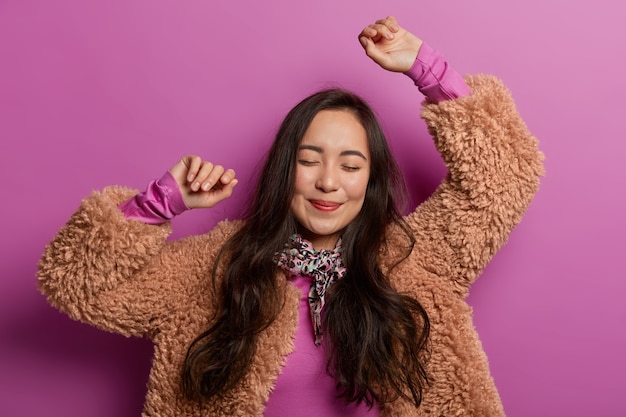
{"x":114,"y":92}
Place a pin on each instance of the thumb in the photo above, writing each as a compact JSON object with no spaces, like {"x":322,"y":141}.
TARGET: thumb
{"x":371,"y":50}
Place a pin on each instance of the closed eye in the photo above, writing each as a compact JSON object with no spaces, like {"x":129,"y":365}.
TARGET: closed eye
{"x":307,"y":163}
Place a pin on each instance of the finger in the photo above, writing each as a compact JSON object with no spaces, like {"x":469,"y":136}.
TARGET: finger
{"x":390,"y":22}
{"x":227,"y":177}
{"x":193,"y":163}
{"x":383,"y":30}
{"x":370,"y":32}
{"x":374,"y":32}
{"x":212,"y":177}
{"x":201,"y":177}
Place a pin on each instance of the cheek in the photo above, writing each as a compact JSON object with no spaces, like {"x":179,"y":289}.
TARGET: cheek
{"x":357,"y":187}
{"x":298,"y":183}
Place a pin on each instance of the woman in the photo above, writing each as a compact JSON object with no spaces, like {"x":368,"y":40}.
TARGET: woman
{"x":323,"y":300}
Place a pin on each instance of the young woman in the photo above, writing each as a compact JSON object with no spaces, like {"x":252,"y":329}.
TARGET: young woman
{"x":323,"y":300}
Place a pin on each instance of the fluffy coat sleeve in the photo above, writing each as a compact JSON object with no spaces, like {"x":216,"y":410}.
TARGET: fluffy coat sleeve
{"x":494,"y":166}
{"x":121,"y":275}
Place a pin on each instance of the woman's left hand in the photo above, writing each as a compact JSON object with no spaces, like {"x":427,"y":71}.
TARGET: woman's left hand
{"x":389,"y":45}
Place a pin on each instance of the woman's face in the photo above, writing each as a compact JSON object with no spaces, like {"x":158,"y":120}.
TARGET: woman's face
{"x":332,"y":172}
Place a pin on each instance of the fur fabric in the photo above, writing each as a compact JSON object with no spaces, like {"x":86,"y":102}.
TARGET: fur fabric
{"x":123,"y":276}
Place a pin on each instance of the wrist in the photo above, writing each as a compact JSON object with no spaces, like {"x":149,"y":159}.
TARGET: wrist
{"x":435,"y":78}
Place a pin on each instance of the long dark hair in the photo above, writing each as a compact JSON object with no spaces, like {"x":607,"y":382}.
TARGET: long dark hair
{"x":375,"y":337}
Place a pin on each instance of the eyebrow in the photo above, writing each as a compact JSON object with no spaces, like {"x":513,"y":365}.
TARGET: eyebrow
{"x":343,"y":153}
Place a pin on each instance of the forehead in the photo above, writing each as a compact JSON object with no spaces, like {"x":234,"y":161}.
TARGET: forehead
{"x":336,"y":129}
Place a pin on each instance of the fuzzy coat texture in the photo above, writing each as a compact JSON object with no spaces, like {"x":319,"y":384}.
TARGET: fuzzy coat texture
{"x":122,"y":276}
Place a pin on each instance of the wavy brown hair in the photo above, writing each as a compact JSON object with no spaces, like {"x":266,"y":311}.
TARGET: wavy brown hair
{"x":375,"y":337}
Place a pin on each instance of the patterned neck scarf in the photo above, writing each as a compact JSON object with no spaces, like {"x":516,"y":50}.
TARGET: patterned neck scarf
{"x":325,"y":267}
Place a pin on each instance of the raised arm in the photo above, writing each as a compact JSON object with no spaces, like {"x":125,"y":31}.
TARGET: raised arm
{"x":493,"y":161}
{"x":112,"y":267}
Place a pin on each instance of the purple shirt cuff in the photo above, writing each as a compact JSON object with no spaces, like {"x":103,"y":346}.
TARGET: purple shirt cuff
{"x":435,"y":78}
{"x":161,"y":201}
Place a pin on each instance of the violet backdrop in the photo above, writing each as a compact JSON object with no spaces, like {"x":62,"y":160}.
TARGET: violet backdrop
{"x":94,"y":93}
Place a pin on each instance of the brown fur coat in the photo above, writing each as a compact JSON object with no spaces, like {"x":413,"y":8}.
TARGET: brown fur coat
{"x":123,"y":276}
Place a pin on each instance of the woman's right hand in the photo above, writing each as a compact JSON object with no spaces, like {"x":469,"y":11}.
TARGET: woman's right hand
{"x":201,"y":183}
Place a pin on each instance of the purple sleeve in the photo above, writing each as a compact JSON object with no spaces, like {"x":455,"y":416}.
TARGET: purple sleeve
{"x":160,"y":202}
{"x":435,"y":78}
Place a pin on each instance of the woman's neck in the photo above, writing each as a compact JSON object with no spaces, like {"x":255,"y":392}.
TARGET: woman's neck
{"x":326,"y":242}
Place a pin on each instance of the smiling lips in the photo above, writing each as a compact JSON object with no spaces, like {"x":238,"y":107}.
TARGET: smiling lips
{"x":324,"y":205}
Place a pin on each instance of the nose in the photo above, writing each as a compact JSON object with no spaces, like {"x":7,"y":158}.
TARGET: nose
{"x":328,"y":180}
